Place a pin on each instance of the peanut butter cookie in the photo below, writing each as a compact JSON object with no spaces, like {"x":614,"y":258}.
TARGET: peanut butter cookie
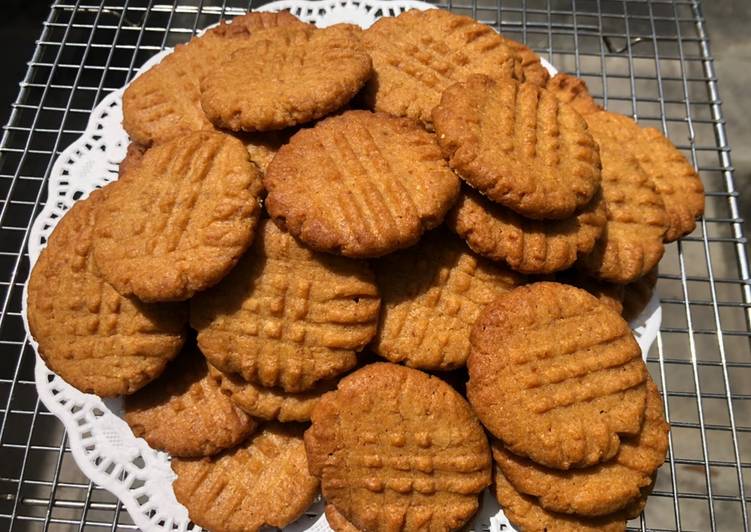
{"x":360,"y":184}
{"x":431,"y":295}
{"x":397,"y":449}
{"x":632,"y":243}
{"x":94,"y":338}
{"x":674,"y":177}
{"x":287,"y":316}
{"x":286,"y":76}
{"x":519,"y":146}
{"x":556,"y":375}
{"x":165,"y":102}
{"x":263,"y":482}
{"x":180,"y":220}
{"x":527,"y":246}
{"x":185,"y":413}
{"x":419,"y":54}
{"x":601,"y":489}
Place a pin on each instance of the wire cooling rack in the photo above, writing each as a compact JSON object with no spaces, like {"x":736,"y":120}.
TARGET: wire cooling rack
{"x":651,"y":60}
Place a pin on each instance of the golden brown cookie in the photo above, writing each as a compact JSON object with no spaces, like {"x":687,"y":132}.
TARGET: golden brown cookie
{"x":419,"y":54}
{"x":180,"y":220}
{"x":601,"y":489}
{"x":556,"y":375}
{"x":185,"y":413}
{"x":164,"y":102}
{"x":674,"y":177}
{"x":431,"y":295}
{"x":636,"y":295}
{"x":360,"y":184}
{"x":287,"y":316}
{"x":270,"y":403}
{"x":610,"y":294}
{"x":632,"y":243}
{"x":527,"y":246}
{"x":519,"y":146}
{"x":264,"y":481}
{"x":286,"y":76}
{"x":397,"y":449}
{"x":525,"y":513}
{"x":94,"y":338}
{"x":573,"y":91}
{"x":337,"y":521}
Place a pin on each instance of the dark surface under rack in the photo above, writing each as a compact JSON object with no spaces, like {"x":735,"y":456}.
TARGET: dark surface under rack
{"x":650,"y":60}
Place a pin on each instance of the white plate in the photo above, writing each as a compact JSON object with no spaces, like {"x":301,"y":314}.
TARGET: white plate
{"x":102,"y":444}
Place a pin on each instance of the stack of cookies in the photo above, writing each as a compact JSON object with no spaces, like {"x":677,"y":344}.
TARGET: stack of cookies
{"x":578,"y":430}
{"x":297,"y":202}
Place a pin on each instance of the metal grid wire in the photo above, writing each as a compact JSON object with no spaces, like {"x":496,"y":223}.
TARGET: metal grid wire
{"x":650,"y":60}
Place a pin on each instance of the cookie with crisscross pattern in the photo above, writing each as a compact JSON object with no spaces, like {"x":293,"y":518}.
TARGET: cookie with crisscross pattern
{"x":632,"y":243}
{"x":180,"y":219}
{"x":556,"y":375}
{"x":262,"y":482}
{"x":286,"y":76}
{"x":397,"y":449}
{"x":432,"y":293}
{"x":601,"y":489}
{"x":185,"y":411}
{"x":519,"y":146}
{"x":419,"y":54}
{"x":674,"y":178}
{"x":287,"y":316}
{"x":165,"y":102}
{"x":360,"y":184}
{"x":90,"y":335}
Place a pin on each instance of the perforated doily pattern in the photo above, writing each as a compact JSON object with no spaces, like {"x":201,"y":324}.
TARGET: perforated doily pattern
{"x":102,"y":444}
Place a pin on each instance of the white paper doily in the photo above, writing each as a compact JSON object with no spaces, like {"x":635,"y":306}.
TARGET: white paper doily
{"x":102,"y":444}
